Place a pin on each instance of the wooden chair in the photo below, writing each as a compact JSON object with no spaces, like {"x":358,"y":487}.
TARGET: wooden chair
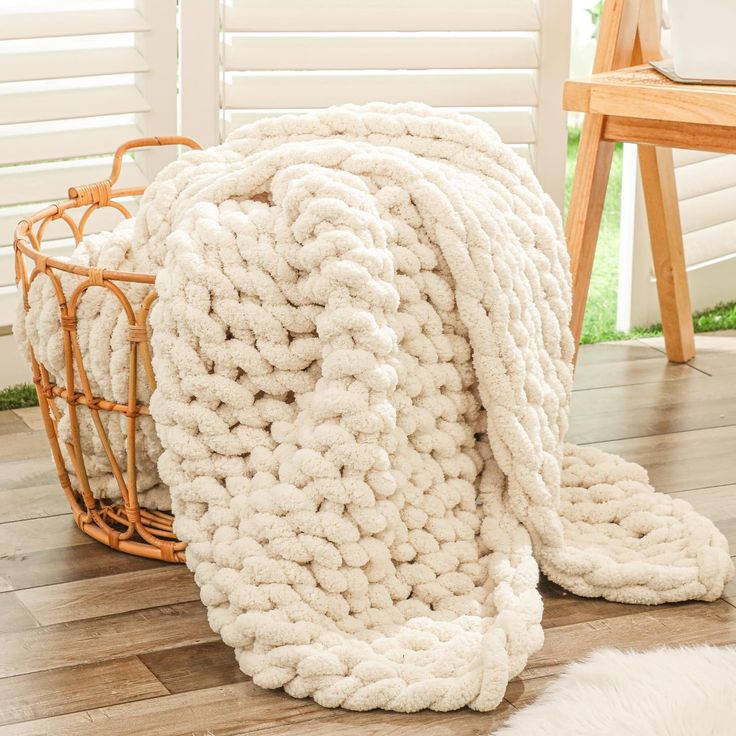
{"x":626,"y":100}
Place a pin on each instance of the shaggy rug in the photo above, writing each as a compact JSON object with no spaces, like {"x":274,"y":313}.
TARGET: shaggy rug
{"x":363,"y":361}
{"x":664,"y":692}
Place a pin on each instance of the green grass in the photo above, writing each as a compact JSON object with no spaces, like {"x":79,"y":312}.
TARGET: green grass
{"x":600,"y":312}
{"x":18,"y":397}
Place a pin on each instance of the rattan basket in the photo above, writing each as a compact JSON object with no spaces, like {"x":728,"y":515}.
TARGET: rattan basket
{"x":123,"y":526}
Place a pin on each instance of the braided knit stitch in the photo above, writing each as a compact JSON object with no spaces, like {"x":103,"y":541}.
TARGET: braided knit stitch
{"x":363,"y":361}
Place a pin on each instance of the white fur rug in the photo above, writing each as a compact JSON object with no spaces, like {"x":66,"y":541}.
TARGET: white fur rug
{"x":364,"y":370}
{"x":664,"y":692}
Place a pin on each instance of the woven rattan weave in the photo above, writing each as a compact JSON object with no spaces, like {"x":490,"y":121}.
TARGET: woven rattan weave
{"x":123,"y":526}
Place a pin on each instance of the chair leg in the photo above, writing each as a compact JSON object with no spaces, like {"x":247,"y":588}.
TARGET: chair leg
{"x":665,"y":232}
{"x":584,"y":214}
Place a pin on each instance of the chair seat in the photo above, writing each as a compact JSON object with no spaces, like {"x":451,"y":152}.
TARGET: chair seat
{"x":642,"y":92}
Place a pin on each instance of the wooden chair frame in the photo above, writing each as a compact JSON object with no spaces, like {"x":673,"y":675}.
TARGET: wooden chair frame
{"x":629,"y":35}
{"x":126,"y":527}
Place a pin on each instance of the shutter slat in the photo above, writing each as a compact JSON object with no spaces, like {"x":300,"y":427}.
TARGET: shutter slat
{"x":524,"y":151}
{"x":711,"y":209}
{"x":515,"y":125}
{"x":45,"y":146}
{"x":26,"y":107}
{"x":686,"y":157}
{"x":16,"y":67}
{"x":381,"y":15}
{"x":70,"y":23}
{"x":710,"y":243}
{"x":48,"y":182}
{"x":264,"y":51}
{"x":315,"y":89}
{"x":706,"y":176}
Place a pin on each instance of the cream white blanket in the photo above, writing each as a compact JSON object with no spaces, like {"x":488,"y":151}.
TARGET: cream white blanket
{"x":364,"y":370}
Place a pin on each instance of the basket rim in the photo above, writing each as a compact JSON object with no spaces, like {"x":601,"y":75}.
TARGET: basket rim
{"x":96,"y":195}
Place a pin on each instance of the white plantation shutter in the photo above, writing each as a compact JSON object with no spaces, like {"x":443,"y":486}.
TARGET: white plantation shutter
{"x":502,"y":60}
{"x":706,"y":185}
{"x":77,"y":78}
{"x":706,"y":188}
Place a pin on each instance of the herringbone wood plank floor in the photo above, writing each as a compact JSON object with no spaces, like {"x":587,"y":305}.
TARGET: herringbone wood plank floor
{"x":94,"y":642}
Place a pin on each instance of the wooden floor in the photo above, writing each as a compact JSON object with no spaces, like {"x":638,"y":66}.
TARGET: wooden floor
{"x":96,"y":642}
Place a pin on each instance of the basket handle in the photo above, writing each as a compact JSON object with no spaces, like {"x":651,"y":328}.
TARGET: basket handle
{"x":99,"y":192}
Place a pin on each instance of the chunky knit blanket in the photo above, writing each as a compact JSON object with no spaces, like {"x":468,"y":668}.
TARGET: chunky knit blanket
{"x":364,"y":368}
